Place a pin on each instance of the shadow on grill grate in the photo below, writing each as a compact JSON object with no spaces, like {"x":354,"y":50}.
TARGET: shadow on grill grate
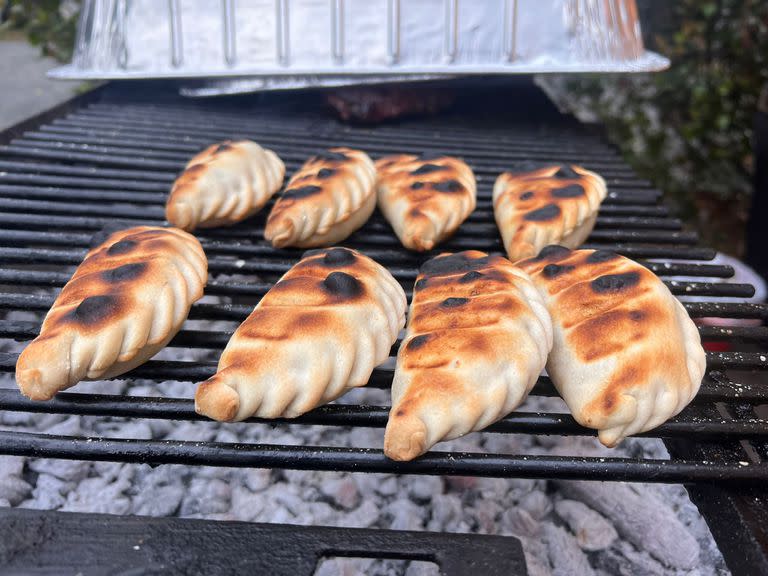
{"x":115,"y":159}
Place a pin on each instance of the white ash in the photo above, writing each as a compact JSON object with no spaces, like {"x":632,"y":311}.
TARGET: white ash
{"x":565,"y":527}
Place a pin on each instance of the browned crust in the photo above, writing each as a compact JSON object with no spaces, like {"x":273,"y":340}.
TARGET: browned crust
{"x":557,"y":198}
{"x":608,"y":305}
{"x":441,"y":189}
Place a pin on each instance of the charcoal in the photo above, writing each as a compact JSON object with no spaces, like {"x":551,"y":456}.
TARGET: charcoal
{"x":592,"y":531}
{"x":565,"y":555}
{"x":640,"y":517}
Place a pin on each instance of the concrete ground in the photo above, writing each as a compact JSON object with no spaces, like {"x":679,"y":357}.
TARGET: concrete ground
{"x":24,"y":88}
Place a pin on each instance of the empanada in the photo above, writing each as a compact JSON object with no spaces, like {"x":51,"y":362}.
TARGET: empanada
{"x":626,"y":356}
{"x":223,"y":185}
{"x":424,"y":199}
{"x":552,"y":205}
{"x":330,"y":197}
{"x":124,"y":303}
{"x":317,"y":333}
{"x":477,"y":339}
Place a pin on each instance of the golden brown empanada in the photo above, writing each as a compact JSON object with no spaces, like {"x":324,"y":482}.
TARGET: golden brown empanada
{"x":477,"y":339}
{"x":626,"y":355}
{"x":330,"y":197}
{"x":425,"y":200}
{"x":124,"y":303}
{"x":223,"y":185}
{"x":552,"y":205}
{"x":317,"y":333}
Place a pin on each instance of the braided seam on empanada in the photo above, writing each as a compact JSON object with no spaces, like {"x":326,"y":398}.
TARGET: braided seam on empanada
{"x":477,"y":339}
{"x":330,"y":197}
{"x":552,"y":205}
{"x":317,"y":333}
{"x":626,"y":356}
{"x":425,"y":200}
{"x":224,"y":184}
{"x":125,"y":302}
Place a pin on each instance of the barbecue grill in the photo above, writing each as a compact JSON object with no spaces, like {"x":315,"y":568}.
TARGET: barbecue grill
{"x":113,"y":153}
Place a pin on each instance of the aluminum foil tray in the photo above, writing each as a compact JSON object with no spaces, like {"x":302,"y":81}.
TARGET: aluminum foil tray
{"x":350,"y":38}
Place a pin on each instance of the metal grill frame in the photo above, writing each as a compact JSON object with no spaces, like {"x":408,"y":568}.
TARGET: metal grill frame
{"x":117,"y":144}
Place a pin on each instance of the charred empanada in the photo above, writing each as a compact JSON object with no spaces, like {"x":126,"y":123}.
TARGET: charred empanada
{"x":124,"y":303}
{"x":626,"y":355}
{"x":477,"y":339}
{"x":223,"y":185}
{"x":552,"y":205}
{"x":425,"y":200}
{"x":330,"y":197}
{"x":317,"y":333}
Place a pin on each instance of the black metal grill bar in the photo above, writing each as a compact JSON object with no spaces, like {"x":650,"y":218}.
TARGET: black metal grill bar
{"x":258,"y":265}
{"x":481,"y":221}
{"x":162,"y":139}
{"x":371,"y":460}
{"x":570,"y":136}
{"x":198,"y":371}
{"x":277,"y":134}
{"x":374,"y":229}
{"x":290,"y":133}
{"x":58,"y":279}
{"x":23,"y":169}
{"x":217,"y":340}
{"x":489,"y":160}
{"x":320,"y":123}
{"x":236,"y":312}
{"x":79,"y":182}
{"x":136,"y":157}
{"x":26,"y":221}
{"x":33,"y":278}
{"x":704,"y":430}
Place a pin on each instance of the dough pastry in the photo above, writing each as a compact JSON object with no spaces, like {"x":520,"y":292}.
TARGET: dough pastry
{"x":317,"y":333}
{"x":626,"y":356}
{"x":223,"y":185}
{"x":425,"y":199}
{"x":552,"y":205}
{"x":124,"y":303}
{"x":477,"y":339}
{"x":330,"y":197}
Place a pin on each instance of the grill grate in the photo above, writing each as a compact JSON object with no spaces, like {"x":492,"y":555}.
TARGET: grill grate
{"x":114,"y":157}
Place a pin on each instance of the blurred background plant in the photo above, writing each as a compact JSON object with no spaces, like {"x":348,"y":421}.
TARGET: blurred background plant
{"x":688,"y":130}
{"x":49,"y":24}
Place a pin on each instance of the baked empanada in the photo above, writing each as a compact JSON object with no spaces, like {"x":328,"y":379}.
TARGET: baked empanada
{"x":626,"y":356}
{"x":330,"y":197}
{"x":552,"y":205}
{"x":317,"y":333}
{"x":223,"y":185}
{"x":124,"y":303}
{"x":477,"y":339}
{"x":425,"y":200}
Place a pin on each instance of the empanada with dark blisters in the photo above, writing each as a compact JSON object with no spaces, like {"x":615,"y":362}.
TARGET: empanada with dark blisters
{"x":223,"y":185}
{"x":317,"y":333}
{"x":331,"y":196}
{"x":551,"y":205}
{"x":626,"y":356}
{"x":425,"y":200}
{"x":123,"y":304}
{"x":477,"y":339}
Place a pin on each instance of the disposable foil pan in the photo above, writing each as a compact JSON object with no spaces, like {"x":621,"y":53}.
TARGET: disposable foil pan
{"x":271,"y":38}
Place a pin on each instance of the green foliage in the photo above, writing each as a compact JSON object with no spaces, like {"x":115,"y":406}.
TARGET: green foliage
{"x":689,"y":129}
{"x":49,"y":24}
